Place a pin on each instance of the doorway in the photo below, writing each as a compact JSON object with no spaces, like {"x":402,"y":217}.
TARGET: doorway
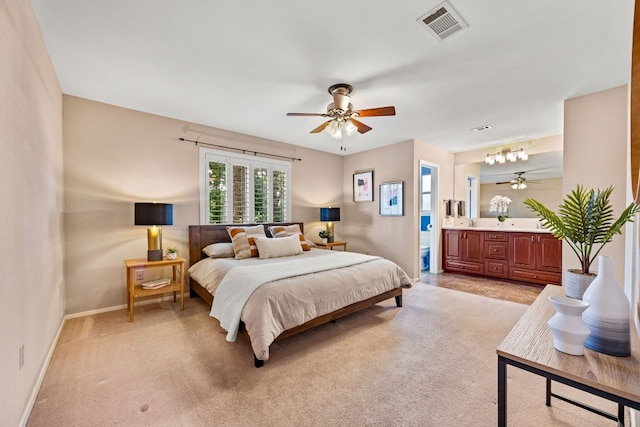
{"x":428,"y":216}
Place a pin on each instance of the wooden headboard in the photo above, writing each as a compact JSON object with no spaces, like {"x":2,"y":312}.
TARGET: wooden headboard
{"x":200,"y":236}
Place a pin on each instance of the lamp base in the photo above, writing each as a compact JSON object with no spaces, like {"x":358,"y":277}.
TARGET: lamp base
{"x":154,"y":255}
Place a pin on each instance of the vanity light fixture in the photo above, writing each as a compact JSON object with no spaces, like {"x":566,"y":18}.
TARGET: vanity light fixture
{"x":506,"y":155}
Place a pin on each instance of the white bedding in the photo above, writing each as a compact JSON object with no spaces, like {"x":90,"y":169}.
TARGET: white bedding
{"x":282,"y":304}
{"x":236,"y":287}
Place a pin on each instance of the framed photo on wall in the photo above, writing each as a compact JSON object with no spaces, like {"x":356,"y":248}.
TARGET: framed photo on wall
{"x":363,"y":186}
{"x":391,"y":198}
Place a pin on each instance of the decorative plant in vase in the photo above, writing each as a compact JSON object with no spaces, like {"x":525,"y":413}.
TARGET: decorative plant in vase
{"x":585,"y":221}
{"x":324,"y":235}
{"x":500,"y":204}
{"x":172,"y":253}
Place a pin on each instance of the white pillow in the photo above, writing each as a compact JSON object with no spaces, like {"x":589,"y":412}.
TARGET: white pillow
{"x":275,"y":248}
{"x":219,"y":250}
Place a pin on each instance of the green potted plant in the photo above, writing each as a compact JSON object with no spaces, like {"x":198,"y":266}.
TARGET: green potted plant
{"x":172,"y":253}
{"x":324,"y":235}
{"x":585,"y":221}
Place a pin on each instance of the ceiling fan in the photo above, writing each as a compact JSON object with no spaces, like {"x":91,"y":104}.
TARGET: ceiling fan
{"x":342,"y":115}
{"x":519,"y":182}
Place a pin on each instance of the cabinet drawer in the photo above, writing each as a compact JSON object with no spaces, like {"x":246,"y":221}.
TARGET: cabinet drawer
{"x":467,"y":267}
{"x":496,"y":250}
{"x":496,"y":236}
{"x":534,"y":276}
{"x":496,"y":268}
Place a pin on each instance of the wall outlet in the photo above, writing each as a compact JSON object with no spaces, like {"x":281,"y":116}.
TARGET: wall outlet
{"x":140,"y":274}
{"x":21,"y":357}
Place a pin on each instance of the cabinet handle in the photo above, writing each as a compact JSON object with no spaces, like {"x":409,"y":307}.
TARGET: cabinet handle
{"x":532,"y":239}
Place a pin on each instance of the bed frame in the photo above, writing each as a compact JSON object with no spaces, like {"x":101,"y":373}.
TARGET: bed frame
{"x":202,"y":235}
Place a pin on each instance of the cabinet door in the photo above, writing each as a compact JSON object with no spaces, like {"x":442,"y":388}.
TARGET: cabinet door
{"x":472,"y":246}
{"x":548,"y":253}
{"x":452,"y":244}
{"x":522,"y":250}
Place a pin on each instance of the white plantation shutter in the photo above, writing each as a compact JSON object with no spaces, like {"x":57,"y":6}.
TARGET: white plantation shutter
{"x":236,"y":188}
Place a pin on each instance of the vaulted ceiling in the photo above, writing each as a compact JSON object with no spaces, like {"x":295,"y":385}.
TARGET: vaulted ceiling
{"x":242,"y":66}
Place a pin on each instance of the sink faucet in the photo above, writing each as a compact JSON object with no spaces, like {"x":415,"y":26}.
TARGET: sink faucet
{"x":472,"y":223}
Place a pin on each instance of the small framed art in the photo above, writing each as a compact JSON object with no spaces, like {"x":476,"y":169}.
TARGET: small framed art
{"x":363,"y":186}
{"x":391,"y":198}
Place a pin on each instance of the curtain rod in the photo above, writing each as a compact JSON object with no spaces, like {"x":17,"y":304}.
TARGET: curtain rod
{"x":255,"y":153}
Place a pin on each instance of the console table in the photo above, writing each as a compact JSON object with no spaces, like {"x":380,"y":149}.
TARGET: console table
{"x":529,"y":346}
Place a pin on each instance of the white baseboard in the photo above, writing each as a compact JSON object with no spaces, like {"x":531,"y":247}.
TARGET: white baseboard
{"x":43,"y":372}
{"x":45,"y":366}
{"x":120,"y":307}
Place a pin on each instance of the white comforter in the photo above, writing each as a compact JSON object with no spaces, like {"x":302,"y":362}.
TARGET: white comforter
{"x":282,"y":304}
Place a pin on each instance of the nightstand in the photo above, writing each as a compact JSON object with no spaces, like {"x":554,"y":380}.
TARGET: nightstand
{"x":332,"y":245}
{"x":136,"y":291}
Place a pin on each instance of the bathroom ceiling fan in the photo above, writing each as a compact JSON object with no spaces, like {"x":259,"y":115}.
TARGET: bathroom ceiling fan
{"x":519,"y":182}
{"x":343,"y":116}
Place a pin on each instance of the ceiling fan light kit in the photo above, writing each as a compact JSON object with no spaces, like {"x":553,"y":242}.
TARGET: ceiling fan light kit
{"x":342,"y":115}
{"x":502,"y":156}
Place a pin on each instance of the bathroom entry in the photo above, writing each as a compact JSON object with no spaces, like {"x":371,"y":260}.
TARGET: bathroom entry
{"x":428,"y":176}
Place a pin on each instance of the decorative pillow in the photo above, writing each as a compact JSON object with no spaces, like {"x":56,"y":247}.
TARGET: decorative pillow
{"x":243,"y":240}
{"x":275,"y":248}
{"x":284,"y":230}
{"x":279,"y":231}
{"x":219,"y":250}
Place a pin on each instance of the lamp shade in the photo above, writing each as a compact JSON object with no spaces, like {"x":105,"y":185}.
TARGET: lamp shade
{"x":329,"y":214}
{"x":153,"y":214}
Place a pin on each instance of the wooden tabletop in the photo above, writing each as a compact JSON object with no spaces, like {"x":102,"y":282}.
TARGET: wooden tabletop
{"x":530,"y":342}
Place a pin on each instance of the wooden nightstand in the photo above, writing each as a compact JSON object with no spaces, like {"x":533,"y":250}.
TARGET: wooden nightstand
{"x":332,"y":245}
{"x":135,"y":291}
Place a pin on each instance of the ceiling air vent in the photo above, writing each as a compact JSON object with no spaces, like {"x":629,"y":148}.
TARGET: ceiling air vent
{"x":442,"y":21}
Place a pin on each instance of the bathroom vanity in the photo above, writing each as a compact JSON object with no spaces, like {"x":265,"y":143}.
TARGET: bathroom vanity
{"x":516,"y":250}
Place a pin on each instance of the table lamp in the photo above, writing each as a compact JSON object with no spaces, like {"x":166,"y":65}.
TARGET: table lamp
{"x":154,"y":214}
{"x":330,"y":215}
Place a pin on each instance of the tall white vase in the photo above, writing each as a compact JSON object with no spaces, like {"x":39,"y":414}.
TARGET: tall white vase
{"x":609,"y":313}
{"x":568,"y":330}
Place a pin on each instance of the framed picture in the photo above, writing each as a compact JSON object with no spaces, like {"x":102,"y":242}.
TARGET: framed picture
{"x":363,"y":186}
{"x":391,"y":198}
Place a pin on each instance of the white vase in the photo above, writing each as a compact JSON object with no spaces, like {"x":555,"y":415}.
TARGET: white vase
{"x":609,"y":313}
{"x":568,"y":330}
{"x":172,"y":255}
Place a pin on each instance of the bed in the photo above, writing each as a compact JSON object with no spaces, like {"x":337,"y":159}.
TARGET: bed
{"x":289,"y":305}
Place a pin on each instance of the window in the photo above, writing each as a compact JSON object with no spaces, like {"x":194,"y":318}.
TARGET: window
{"x":425,"y":189}
{"x":236,"y":188}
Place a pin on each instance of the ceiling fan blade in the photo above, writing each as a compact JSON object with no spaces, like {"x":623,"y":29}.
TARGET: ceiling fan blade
{"x":380,"y":111}
{"x":362,"y":128}
{"x":307,"y":114}
{"x":504,"y":182}
{"x":321,"y":127}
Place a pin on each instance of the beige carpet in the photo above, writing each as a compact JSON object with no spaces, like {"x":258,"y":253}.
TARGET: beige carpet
{"x":429,"y":363}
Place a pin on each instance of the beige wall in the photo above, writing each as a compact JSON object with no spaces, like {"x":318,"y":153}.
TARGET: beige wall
{"x":32,"y":287}
{"x":595,"y":156}
{"x":365,"y":229}
{"x":115,"y":157}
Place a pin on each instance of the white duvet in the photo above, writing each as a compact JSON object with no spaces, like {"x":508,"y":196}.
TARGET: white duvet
{"x":283,"y":303}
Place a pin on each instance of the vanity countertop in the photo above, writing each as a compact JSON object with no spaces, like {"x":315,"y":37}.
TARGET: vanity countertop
{"x":513,"y":225}
{"x":504,"y":227}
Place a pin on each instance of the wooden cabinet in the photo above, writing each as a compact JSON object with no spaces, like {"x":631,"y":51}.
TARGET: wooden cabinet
{"x":521,"y":256}
{"x":535,"y":257}
{"x":463,"y":251}
{"x":496,"y":254}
